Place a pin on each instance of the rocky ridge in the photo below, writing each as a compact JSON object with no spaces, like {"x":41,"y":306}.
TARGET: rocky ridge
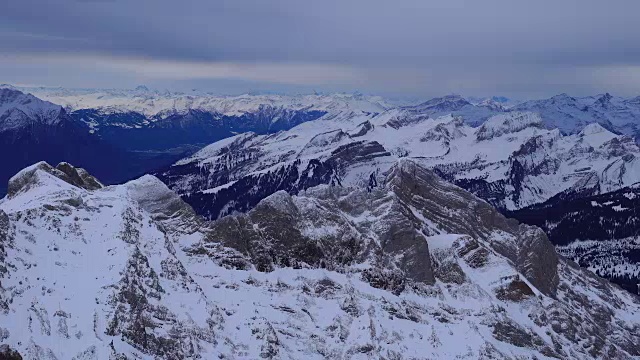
{"x":400,"y":270}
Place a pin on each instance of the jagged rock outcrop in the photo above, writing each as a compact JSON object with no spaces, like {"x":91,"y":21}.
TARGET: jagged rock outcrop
{"x":317,"y":229}
{"x":28,"y":178}
{"x":7,"y":353}
{"x":527,"y":246}
{"x":6,"y":240}
{"x":79,"y":177}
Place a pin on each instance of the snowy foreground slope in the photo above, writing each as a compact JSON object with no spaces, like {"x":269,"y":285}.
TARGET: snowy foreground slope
{"x":413,"y":268}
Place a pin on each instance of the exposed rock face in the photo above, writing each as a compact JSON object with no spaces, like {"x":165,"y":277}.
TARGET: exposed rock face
{"x":537,"y":259}
{"x":27,"y":178}
{"x":459,"y":212}
{"x":318,"y":229}
{"x":4,"y":234}
{"x":6,"y":353}
{"x":6,"y":241}
{"x":404,"y":269}
{"x":163,"y":204}
{"x":78,"y":177}
{"x":333,"y":227}
{"x":362,"y":129}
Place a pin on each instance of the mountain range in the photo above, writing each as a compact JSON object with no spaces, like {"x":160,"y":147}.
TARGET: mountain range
{"x":317,"y":226}
{"x":402,"y":270}
{"x":141,"y":131}
{"x":538,"y":161}
{"x":512,"y":161}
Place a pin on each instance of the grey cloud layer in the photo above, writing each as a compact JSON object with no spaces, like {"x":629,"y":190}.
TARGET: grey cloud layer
{"x":408,"y":46}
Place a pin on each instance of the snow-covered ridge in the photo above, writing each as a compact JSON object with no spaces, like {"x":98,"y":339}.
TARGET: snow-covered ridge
{"x":18,"y":110}
{"x":512,"y":160}
{"x":154,"y":103}
{"x":335,"y":272}
{"x":572,"y":114}
{"x":514,"y":122}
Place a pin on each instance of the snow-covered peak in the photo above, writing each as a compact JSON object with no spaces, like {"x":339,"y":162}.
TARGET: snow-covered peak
{"x":446,"y":103}
{"x":18,"y":109}
{"x":604,"y":100}
{"x":635,"y":101}
{"x":572,"y":114}
{"x":42,"y":175}
{"x":592,"y":129}
{"x":596,"y":135}
{"x":161,"y":203}
{"x":562,"y":98}
{"x":492,"y":105}
{"x":38,"y":174}
{"x":508,"y":123}
{"x":141,"y":88}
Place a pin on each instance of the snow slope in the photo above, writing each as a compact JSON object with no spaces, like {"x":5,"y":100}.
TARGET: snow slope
{"x":131,"y":272}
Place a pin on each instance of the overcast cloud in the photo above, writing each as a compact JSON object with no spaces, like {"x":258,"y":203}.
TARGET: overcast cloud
{"x":402,"y":47}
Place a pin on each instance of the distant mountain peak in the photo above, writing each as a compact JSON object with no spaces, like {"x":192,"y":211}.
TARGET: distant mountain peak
{"x":508,"y":123}
{"x":593,"y":128}
{"x":7,"y":86}
{"x":451,"y":102}
{"x":492,"y":104}
{"x":500,"y":99}
{"x":18,"y":109}
{"x":142,"y":88}
{"x":604,"y":100}
{"x":563,"y":97}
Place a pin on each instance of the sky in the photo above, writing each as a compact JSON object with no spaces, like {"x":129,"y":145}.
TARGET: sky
{"x":413,"y":48}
